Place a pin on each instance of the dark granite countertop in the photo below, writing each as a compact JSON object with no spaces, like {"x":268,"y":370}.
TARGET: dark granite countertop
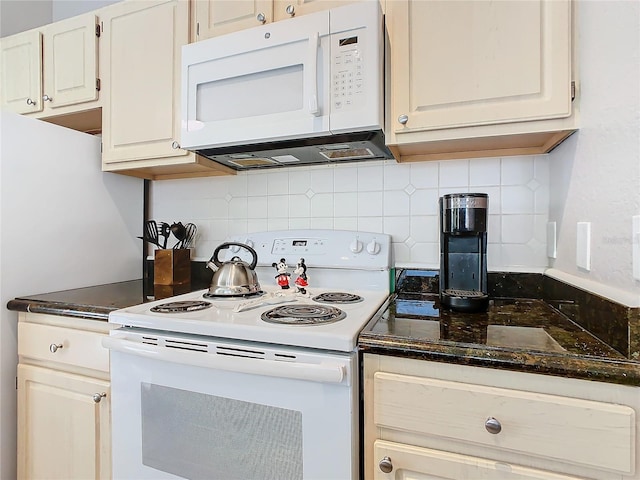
{"x":91,"y":302}
{"x":527,"y":335}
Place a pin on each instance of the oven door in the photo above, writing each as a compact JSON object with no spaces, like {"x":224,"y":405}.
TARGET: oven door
{"x":262,"y":84}
{"x":201,"y":408}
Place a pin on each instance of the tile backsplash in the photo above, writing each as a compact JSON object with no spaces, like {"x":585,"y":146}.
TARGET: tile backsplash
{"x":398,"y":199}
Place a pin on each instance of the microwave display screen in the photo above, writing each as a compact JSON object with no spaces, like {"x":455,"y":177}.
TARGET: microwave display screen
{"x":299,"y":243}
{"x":348,"y":41}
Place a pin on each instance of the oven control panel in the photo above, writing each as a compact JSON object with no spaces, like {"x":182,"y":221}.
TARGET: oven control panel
{"x":299,"y":246}
{"x":330,"y":248}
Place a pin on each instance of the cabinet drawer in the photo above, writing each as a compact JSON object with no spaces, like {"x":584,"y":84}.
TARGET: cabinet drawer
{"x":416,"y":463}
{"x":582,"y":432}
{"x":79,"y":348}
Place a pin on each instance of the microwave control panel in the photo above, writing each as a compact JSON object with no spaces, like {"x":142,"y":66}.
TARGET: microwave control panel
{"x":347,"y":84}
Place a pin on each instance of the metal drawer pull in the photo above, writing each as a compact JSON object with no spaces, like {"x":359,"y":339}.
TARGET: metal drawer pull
{"x":30,"y":102}
{"x":54,"y":347}
{"x":261,"y":17}
{"x":47,"y":98}
{"x":493,"y":426}
{"x":385,"y":465}
{"x":97,"y":397}
{"x":403,"y":119}
{"x":291,"y":10}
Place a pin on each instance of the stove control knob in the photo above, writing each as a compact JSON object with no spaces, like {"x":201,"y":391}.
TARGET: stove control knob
{"x":373,"y":247}
{"x":356,"y":246}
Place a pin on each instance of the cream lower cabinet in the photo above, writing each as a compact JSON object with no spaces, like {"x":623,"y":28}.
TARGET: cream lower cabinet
{"x":52,"y":71}
{"x":141,"y":112}
{"x":426,"y":420}
{"x":64,"y":426}
{"x":477,"y":78}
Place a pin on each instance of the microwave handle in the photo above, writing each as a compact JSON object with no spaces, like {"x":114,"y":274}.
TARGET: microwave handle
{"x":313,"y":74}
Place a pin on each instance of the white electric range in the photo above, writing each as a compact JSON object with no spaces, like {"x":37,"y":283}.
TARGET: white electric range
{"x":223,"y":390}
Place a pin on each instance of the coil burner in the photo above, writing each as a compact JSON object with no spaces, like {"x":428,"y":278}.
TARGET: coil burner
{"x":303,"y":315}
{"x":337,"y":297}
{"x":181,"y":307}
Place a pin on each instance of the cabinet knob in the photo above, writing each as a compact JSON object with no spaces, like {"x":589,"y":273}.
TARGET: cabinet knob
{"x":403,"y":119}
{"x":261,"y":17}
{"x":175,"y":145}
{"x":493,"y":426}
{"x":97,"y":397}
{"x":54,"y":347}
{"x":385,"y":465}
{"x":30,"y":102}
{"x":47,"y":98}
{"x":291,"y":10}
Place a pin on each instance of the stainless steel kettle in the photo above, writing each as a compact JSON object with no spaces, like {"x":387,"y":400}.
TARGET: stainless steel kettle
{"x":233,"y":278}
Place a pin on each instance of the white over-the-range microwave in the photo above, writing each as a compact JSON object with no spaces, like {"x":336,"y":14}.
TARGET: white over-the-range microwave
{"x":304,"y":90}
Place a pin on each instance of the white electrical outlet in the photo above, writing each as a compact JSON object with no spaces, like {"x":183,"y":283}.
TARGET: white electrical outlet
{"x":552,"y":250}
{"x":635,"y":245}
{"x":583,"y":245}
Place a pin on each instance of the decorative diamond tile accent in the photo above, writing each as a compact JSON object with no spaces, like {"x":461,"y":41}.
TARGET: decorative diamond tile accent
{"x":409,"y":189}
{"x":310,"y":193}
{"x":409,"y":242}
{"x":533,"y":184}
{"x":228,"y":197}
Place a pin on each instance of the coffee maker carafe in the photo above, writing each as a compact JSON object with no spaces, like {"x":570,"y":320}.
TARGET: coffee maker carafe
{"x":463,"y":251}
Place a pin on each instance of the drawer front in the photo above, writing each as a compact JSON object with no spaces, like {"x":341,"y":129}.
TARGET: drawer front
{"x":582,"y":432}
{"x":78,"y":347}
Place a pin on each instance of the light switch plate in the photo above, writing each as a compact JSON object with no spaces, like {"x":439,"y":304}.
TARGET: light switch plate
{"x":583,"y":245}
{"x":552,"y":251}
{"x":635,"y":245}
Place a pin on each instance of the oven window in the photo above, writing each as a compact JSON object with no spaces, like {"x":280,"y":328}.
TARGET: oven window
{"x":199,"y":436}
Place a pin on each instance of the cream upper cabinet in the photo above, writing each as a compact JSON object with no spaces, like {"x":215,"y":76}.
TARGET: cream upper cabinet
{"x":428,"y":420}
{"x":477,"y":76}
{"x":52,"y":67}
{"x":141,"y":112}
{"x":64,"y":425}
{"x":142,"y":84}
{"x":218,"y":17}
{"x":283,"y":9}
{"x":21,"y":81}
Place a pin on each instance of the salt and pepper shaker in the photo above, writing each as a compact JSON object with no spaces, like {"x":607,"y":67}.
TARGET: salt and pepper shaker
{"x":282,"y":276}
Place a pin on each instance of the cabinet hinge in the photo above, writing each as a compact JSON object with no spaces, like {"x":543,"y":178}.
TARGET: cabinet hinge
{"x":98,"y":30}
{"x":573,"y":90}
{"x":97,"y":84}
{"x":16,"y":383}
{"x":198,"y":30}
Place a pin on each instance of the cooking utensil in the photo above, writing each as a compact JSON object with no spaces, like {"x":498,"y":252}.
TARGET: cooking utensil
{"x":151,"y":232}
{"x":179,"y":231}
{"x":235,"y":277}
{"x":190,"y":236}
{"x":165,"y":232}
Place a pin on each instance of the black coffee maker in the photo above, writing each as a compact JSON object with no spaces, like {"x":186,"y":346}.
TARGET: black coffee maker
{"x":463,"y":251}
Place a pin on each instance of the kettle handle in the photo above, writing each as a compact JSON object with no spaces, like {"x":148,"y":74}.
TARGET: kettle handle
{"x":214,"y":257}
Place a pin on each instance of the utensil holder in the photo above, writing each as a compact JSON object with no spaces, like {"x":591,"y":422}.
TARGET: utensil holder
{"x":172,"y":266}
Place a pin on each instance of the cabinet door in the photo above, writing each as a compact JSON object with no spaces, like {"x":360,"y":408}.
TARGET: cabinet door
{"x":406,"y":461}
{"x":478,"y":62}
{"x":283,"y":9}
{"x":141,"y":112}
{"x":21,"y":77}
{"x":70,"y":61}
{"x":63,"y":432}
{"x":217,"y":17}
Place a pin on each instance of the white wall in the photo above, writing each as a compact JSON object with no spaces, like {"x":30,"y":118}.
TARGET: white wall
{"x":595,"y":174}
{"x":70,"y":8}
{"x":20,"y":15}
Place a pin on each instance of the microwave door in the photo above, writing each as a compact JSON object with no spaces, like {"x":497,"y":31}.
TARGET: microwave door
{"x":268,"y":83}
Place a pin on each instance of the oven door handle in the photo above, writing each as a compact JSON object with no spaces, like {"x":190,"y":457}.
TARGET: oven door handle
{"x":326,"y":372}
